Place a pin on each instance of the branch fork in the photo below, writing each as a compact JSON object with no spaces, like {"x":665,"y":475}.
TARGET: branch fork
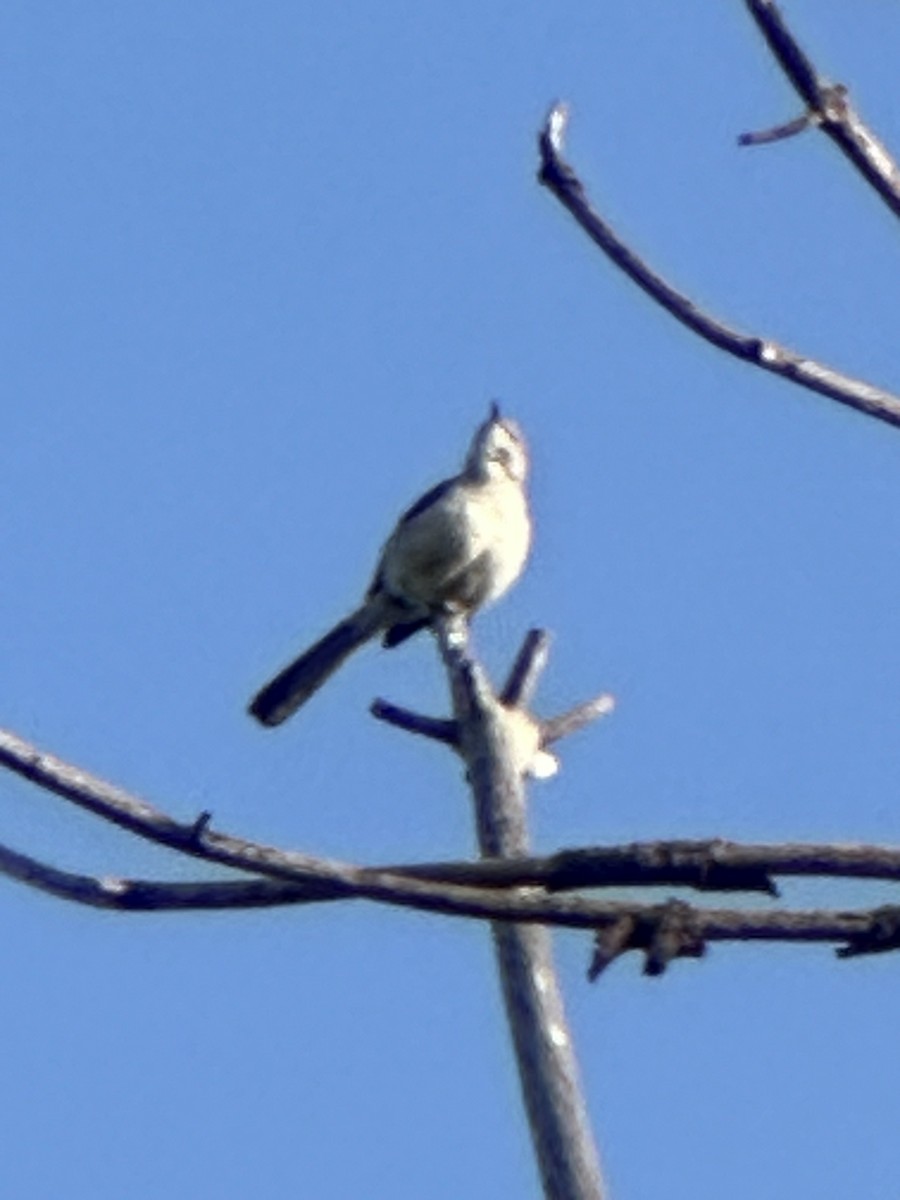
{"x":528,"y":737}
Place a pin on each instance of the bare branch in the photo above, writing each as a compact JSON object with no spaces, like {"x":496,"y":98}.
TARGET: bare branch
{"x":662,"y":932}
{"x":671,"y":930}
{"x":883,"y":933}
{"x":528,"y":734}
{"x":556,"y":175}
{"x":556,"y":728}
{"x":96,"y":795}
{"x":439,"y":729}
{"x":446,"y":888}
{"x":316,"y":879}
{"x":708,"y":865}
{"x":144,"y":895}
{"x":621,"y":926}
{"x":777,"y":133}
{"x":194,"y":838}
{"x":674,"y":930}
{"x":828,"y":106}
{"x":548,"y":1067}
{"x":520,"y":686}
{"x":711,"y":865}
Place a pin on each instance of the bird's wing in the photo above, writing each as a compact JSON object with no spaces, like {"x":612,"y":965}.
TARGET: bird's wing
{"x":424,"y":502}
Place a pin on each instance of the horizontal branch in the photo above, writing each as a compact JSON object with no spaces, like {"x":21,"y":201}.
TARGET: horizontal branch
{"x":863,"y":931}
{"x":777,"y":133}
{"x":560,"y":179}
{"x":292,"y":878}
{"x":711,"y":865}
{"x":706,"y":866}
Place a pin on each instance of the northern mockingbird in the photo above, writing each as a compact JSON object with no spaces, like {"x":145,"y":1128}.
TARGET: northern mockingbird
{"x":460,"y":546}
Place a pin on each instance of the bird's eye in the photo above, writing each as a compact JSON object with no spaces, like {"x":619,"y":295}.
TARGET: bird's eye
{"x":503,"y":455}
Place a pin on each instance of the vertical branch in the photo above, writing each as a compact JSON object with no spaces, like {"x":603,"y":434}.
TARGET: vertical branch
{"x":548,"y":1071}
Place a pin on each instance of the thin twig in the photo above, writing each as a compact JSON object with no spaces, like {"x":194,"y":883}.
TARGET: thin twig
{"x":146,"y":895}
{"x":559,"y":177}
{"x":438,"y":729}
{"x":530,"y":734}
{"x":567,"y":723}
{"x":777,"y":133}
{"x":525,"y":673}
{"x":828,"y":103}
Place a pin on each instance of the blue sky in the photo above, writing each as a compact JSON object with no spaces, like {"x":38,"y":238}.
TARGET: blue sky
{"x":263,"y":267}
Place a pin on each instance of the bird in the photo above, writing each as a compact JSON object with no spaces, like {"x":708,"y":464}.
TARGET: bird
{"x":460,"y":546}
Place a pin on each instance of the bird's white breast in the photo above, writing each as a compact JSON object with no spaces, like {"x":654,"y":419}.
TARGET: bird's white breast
{"x":473,"y":541}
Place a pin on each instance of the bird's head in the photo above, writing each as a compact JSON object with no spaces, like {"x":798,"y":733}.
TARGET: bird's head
{"x":498,"y":450}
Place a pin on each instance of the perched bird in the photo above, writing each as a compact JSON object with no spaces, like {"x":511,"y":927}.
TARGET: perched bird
{"x":460,"y":546}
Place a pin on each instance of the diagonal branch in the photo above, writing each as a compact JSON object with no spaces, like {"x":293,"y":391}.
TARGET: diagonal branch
{"x":828,"y":107}
{"x":560,"y":179}
{"x":525,"y":673}
{"x":145,"y":895}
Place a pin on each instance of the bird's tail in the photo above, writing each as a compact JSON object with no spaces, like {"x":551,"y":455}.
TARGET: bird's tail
{"x":293,"y":686}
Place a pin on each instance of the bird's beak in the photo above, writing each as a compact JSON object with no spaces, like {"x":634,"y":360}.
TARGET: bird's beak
{"x":495,"y":414}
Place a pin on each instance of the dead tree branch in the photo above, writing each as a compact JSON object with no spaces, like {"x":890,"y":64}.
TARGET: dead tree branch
{"x":712,"y":865}
{"x":559,"y":178}
{"x":521,"y":889}
{"x":623,"y":926}
{"x":828,"y":108}
{"x":533,"y":735}
{"x":146,"y":895}
{"x":491,"y":744}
